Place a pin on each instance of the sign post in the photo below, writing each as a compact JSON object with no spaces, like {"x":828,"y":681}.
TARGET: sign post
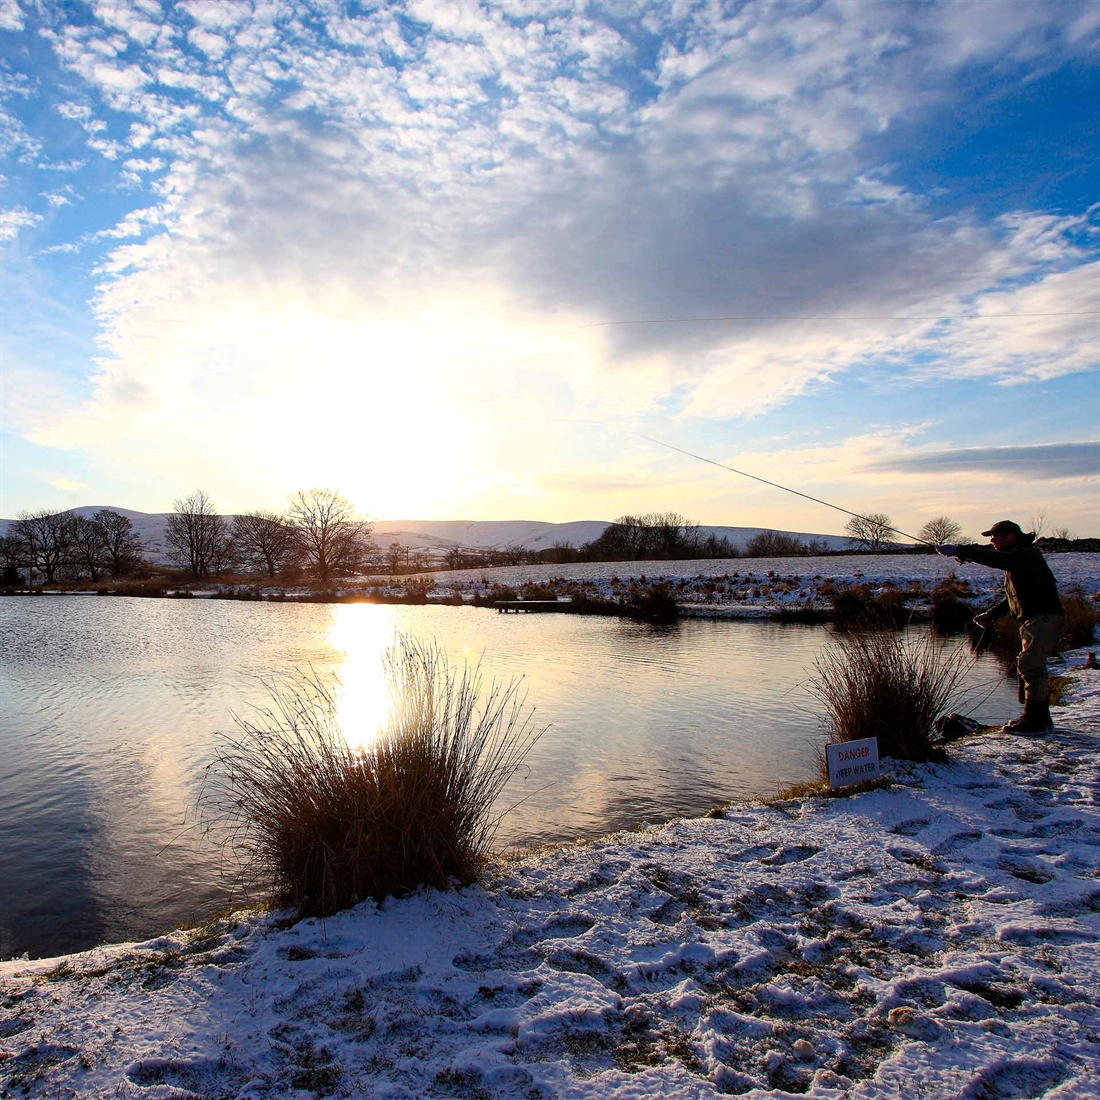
{"x":852,"y":762}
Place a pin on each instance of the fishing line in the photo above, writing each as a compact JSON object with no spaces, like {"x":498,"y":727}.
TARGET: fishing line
{"x":860,"y":317}
{"x":786,"y":489}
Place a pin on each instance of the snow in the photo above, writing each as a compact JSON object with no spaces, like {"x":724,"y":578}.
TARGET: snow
{"x":746,"y":586}
{"x":937,"y":938}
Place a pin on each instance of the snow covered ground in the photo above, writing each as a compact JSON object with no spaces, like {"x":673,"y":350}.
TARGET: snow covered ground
{"x":750,"y":584}
{"x":940,"y":938}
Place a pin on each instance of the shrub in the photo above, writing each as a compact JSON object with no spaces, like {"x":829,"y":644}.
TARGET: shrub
{"x":878,"y":683}
{"x":326,"y":825}
{"x":950,"y":610}
{"x":1080,"y":619}
{"x":857,"y":605}
{"x":654,"y":603}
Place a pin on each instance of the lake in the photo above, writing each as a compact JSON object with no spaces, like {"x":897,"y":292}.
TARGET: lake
{"x":112,"y":707}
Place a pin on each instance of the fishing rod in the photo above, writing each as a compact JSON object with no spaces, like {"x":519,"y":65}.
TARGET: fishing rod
{"x":787,"y":489}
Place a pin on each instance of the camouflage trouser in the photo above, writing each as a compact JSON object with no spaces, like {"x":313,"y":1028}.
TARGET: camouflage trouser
{"x":1040,"y":637}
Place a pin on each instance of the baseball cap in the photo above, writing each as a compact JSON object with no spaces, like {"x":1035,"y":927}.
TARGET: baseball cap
{"x":1003,"y":527}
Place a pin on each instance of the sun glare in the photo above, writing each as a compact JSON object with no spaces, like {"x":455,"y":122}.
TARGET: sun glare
{"x":362,"y":697}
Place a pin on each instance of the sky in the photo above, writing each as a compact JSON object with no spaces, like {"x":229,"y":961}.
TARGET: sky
{"x":465,"y":260}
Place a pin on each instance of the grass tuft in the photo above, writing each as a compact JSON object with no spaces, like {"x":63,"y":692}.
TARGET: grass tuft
{"x":327,"y":825}
{"x":1080,"y":612}
{"x":878,"y":683}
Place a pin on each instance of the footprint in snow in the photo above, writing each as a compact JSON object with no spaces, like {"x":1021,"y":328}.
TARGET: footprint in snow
{"x":1029,"y":870}
{"x":751,"y":855}
{"x":1015,"y":1079}
{"x":1072,"y":907}
{"x":580,"y":962}
{"x":911,"y":827}
{"x":923,"y":860}
{"x":959,"y":840}
{"x":563,"y":929}
{"x":795,"y":854}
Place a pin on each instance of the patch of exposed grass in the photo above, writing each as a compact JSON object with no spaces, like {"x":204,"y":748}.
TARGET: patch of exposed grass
{"x":1056,"y":686}
{"x":819,"y":788}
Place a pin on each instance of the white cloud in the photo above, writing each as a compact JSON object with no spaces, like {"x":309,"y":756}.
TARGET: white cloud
{"x":11,"y":16}
{"x":15,"y":218}
{"x":64,"y":196}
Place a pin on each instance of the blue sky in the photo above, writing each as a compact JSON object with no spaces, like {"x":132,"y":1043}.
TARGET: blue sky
{"x":458,"y":260}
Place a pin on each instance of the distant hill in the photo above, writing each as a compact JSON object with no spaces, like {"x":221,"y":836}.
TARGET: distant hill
{"x":443,"y":534}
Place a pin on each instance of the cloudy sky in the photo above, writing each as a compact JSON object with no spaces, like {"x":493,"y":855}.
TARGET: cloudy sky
{"x":468,"y":260}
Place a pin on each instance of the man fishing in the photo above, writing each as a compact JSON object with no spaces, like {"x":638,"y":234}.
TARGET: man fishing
{"x":1031,"y":597}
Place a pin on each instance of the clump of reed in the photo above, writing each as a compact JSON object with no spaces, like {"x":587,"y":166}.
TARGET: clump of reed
{"x":860,"y":606}
{"x":952,"y":610}
{"x":889,"y":685}
{"x":653,"y":602}
{"x":1003,"y":637}
{"x":1080,"y":619}
{"x":325,"y":824}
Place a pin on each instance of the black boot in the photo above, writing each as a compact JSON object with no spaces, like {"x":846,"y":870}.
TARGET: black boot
{"x":1035,"y":719}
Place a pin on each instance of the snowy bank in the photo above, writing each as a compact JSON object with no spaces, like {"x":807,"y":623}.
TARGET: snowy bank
{"x":739,"y":587}
{"x":940,"y":938}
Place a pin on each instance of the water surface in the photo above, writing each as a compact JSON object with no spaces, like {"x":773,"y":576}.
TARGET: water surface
{"x":112,"y":707}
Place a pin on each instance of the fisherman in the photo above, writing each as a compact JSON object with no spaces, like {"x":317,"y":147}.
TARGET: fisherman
{"x":1031,"y":597}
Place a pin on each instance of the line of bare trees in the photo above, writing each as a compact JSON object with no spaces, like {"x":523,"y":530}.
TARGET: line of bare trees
{"x":66,"y":545}
{"x":318,"y":533}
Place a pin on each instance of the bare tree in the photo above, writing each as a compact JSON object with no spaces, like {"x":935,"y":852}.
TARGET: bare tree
{"x":265,"y":539}
{"x":774,"y":544}
{"x":121,"y":547}
{"x":330,"y":536}
{"x":12,"y":559}
{"x":1044,"y":527}
{"x":940,"y":530}
{"x":872,"y":531}
{"x":88,"y":550}
{"x":196,"y":534}
{"x":46,"y":538}
{"x":395,"y":552}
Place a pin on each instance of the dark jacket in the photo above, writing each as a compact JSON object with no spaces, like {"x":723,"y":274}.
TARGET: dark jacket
{"x":1030,"y":587}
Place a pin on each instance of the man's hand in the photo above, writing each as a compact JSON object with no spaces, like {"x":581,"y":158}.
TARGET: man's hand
{"x":948,"y":550}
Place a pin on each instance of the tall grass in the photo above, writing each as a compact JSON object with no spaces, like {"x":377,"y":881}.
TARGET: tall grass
{"x":1080,"y":619}
{"x":326,"y":825}
{"x":879,"y":683}
{"x":859,"y":606}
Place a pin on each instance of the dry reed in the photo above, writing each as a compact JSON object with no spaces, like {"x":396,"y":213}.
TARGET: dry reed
{"x":878,"y":683}
{"x":326,"y":825}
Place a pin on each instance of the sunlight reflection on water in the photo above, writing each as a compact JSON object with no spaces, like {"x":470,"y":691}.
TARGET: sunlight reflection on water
{"x":362,"y":695}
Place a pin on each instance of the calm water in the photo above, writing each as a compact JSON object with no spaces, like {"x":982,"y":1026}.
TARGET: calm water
{"x":111,"y":707}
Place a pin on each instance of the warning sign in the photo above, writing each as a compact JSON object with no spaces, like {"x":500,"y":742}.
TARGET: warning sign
{"x":852,"y":762}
